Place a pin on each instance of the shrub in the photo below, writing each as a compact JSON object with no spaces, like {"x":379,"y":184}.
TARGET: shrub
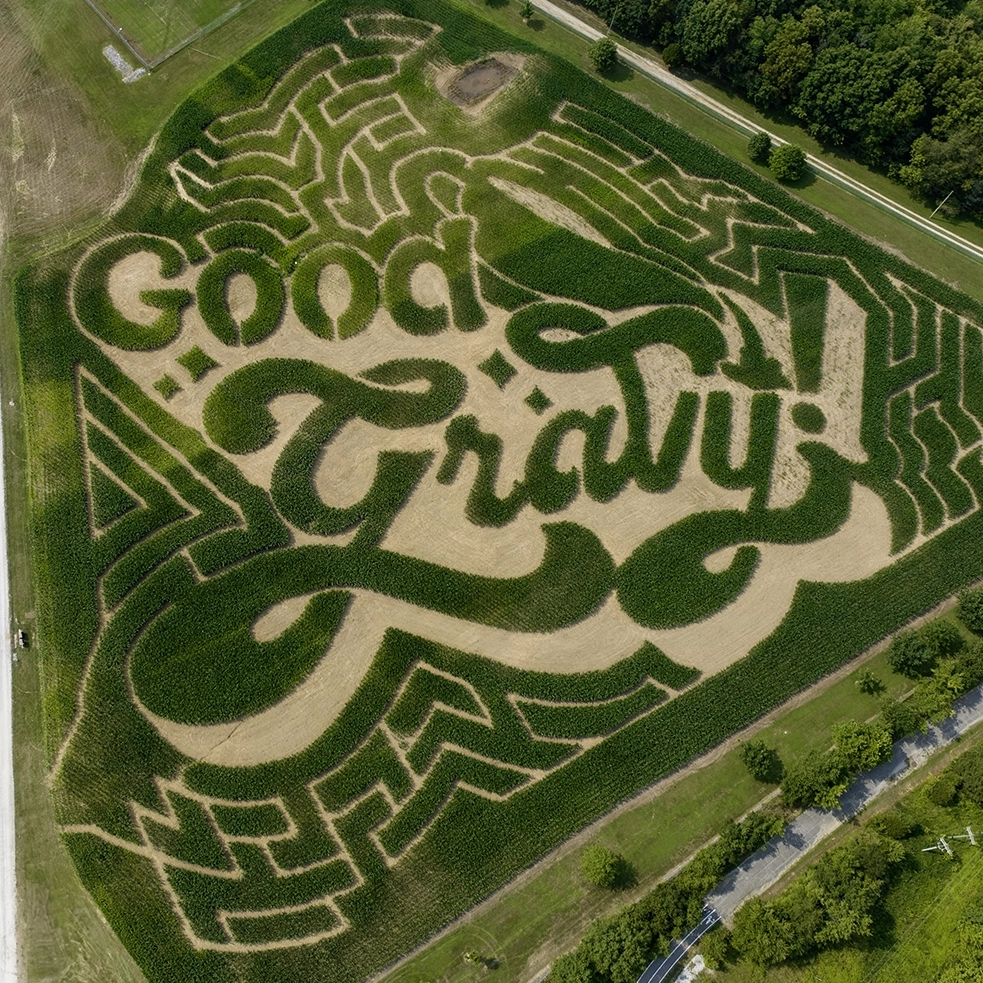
{"x":787,"y":162}
{"x":603,"y":54}
{"x":817,"y":779}
{"x":971,"y":610}
{"x":895,"y":825}
{"x":868,"y":683}
{"x":715,"y":947}
{"x":673,"y":56}
{"x":941,"y":791}
{"x":761,"y":761}
{"x":911,"y":654}
{"x":759,"y":147}
{"x":601,"y":866}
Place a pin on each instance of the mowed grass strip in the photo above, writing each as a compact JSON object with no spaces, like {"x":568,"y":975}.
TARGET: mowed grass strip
{"x":156,"y":26}
{"x":528,"y":925}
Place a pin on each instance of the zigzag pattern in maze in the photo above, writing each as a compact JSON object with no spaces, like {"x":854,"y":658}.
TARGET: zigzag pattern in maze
{"x":270,"y":873}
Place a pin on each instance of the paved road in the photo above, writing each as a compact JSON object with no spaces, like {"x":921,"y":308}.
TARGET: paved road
{"x":659,"y":969}
{"x":760,"y":871}
{"x":8,"y":882}
{"x":657,"y":72}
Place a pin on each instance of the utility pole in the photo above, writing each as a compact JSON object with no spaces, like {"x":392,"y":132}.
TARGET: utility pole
{"x":943,"y":201}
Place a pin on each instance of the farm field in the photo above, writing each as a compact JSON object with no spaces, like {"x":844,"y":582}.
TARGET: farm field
{"x":436,"y":442}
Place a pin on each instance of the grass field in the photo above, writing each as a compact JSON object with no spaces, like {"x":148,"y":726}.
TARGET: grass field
{"x":157,"y":28}
{"x":325,"y":255}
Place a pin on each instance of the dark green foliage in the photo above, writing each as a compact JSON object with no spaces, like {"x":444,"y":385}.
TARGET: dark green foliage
{"x":196,"y":362}
{"x":758,"y":145}
{"x":363,"y":283}
{"x":968,"y":769}
{"x":572,"y":967}
{"x":912,"y":654}
{"x":498,"y":291}
{"x":538,"y":401}
{"x":110,"y":501}
{"x":761,"y":761}
{"x":715,"y":947}
{"x":942,"y":790}
{"x":600,"y":866}
{"x":832,"y":903}
{"x":166,"y":386}
{"x":787,"y":162}
{"x":673,"y":56}
{"x":603,"y":54}
{"x":861,"y":746}
{"x":895,"y":824}
{"x":808,"y":417}
{"x":971,"y":610}
{"x":559,"y":721}
{"x":96,"y":311}
{"x":806,"y":298}
{"x":213,"y":300}
{"x":969,"y":664}
{"x":250,"y":821}
{"x":817,"y":779}
{"x":497,"y":368}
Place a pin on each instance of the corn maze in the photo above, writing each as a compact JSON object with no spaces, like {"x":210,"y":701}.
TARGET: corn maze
{"x":415,"y":477}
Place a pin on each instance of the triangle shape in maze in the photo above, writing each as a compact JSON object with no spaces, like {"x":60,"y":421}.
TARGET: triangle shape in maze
{"x":109,"y":500}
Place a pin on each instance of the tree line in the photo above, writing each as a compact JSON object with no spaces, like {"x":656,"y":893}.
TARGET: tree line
{"x":896,"y":83}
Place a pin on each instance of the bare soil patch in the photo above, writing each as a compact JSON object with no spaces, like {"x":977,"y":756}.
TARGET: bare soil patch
{"x":475,"y":85}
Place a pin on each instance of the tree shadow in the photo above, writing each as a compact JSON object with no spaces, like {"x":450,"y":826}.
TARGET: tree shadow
{"x":807,"y":180}
{"x":536,"y":23}
{"x":496,"y":4}
{"x":626,"y":876}
{"x":620,"y":73}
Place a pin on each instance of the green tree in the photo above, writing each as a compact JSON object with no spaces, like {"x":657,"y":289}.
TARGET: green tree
{"x":912,"y":654}
{"x":787,"y":162}
{"x":715,"y":947}
{"x":971,"y":610}
{"x":526,"y":11}
{"x":619,"y":947}
{"x":941,"y":791}
{"x":761,"y":761}
{"x":673,"y":56}
{"x":759,"y":147}
{"x":601,"y":866}
{"x":761,"y":935}
{"x":603,"y":54}
{"x":817,"y":779}
{"x":862,"y":746}
{"x":574,"y":967}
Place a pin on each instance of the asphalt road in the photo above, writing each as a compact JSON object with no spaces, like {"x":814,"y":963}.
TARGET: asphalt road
{"x":659,"y":969}
{"x":657,"y":72}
